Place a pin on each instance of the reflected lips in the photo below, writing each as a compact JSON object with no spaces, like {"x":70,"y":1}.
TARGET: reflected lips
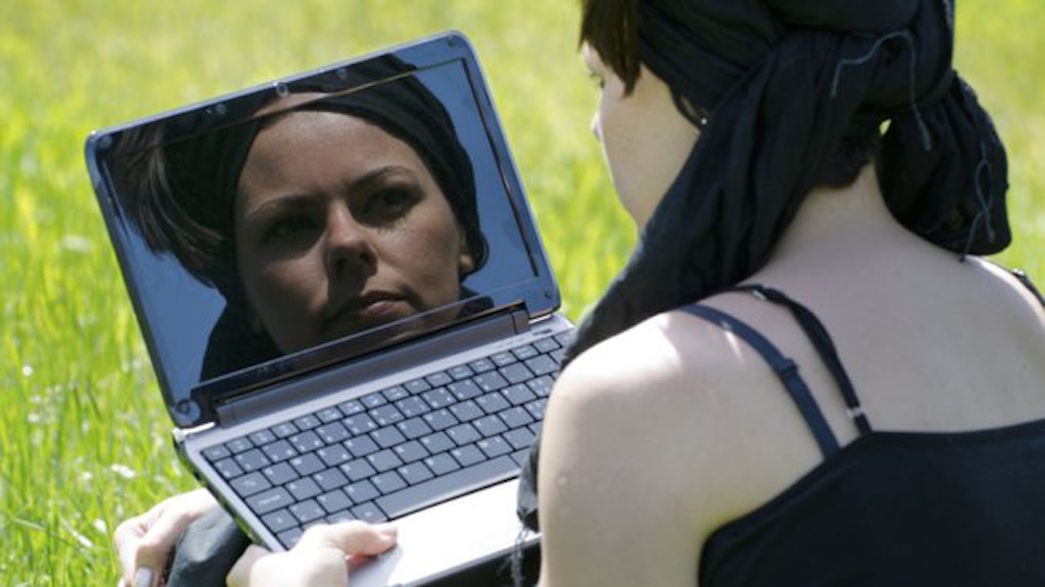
{"x":367,"y":310}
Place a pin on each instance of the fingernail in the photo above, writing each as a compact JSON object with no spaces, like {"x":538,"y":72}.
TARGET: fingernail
{"x":143,"y":578}
{"x":386,"y":529}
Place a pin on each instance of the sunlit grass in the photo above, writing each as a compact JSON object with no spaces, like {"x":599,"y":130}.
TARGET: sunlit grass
{"x":83,"y":435}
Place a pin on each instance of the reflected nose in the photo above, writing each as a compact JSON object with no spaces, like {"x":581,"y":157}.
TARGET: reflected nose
{"x":349,"y":252}
{"x":596,"y":129}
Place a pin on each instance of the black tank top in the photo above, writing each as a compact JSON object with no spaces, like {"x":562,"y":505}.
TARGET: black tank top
{"x":890,"y":508}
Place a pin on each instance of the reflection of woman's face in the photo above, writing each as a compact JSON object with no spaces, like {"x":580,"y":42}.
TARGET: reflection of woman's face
{"x":340,"y":227}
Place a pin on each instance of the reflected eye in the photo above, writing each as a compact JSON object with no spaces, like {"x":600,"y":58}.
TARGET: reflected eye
{"x":287,"y":228}
{"x":390,"y":204}
{"x":597,"y":80}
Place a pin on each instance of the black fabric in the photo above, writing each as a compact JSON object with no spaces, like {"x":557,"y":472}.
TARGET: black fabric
{"x":785,"y":369}
{"x":207,"y":550}
{"x":898,"y":509}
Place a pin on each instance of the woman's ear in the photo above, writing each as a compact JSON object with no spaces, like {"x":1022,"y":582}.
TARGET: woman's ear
{"x":465,"y":260}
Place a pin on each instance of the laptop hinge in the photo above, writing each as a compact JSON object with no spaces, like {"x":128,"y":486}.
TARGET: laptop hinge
{"x":500,"y":324}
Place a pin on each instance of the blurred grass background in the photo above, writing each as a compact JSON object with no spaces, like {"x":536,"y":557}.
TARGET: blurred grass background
{"x":84,"y":439}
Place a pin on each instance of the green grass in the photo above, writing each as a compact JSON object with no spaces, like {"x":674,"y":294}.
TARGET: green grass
{"x":84,"y":439}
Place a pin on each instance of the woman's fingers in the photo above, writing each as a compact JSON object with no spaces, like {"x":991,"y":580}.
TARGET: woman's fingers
{"x":145,"y":543}
{"x":239,"y":574}
{"x":351,"y":538}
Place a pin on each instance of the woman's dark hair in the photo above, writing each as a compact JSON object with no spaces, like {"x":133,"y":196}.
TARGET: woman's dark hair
{"x":181,"y":195}
{"x":611,"y":28}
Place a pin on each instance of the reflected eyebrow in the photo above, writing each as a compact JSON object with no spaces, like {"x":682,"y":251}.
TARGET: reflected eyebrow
{"x":363,"y":183}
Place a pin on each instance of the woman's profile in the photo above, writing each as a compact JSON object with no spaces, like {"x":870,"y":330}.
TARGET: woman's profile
{"x":805,"y":375}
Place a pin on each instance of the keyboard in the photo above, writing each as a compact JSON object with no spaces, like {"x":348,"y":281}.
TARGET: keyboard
{"x":397,"y":450}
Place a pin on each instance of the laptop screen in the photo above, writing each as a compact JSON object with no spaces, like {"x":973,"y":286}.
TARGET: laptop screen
{"x":317,"y":219}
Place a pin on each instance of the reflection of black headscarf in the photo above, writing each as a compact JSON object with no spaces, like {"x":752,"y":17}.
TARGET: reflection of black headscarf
{"x":784,"y":82}
{"x":204,"y":173}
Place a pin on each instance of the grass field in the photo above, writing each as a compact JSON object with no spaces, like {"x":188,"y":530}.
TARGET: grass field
{"x":84,"y":439}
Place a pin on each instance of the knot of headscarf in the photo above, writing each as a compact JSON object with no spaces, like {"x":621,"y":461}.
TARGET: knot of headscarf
{"x":783,"y":83}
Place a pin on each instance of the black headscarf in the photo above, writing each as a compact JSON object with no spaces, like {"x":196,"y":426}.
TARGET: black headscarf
{"x":784,"y":81}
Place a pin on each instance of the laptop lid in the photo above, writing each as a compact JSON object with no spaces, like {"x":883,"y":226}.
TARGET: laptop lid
{"x":316,"y":219}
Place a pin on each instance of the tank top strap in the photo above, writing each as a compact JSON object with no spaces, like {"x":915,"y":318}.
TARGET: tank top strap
{"x":1027,"y":283}
{"x":825,"y":347}
{"x":785,"y":369}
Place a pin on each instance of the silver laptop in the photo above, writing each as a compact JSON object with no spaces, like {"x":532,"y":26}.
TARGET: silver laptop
{"x":346,"y":301}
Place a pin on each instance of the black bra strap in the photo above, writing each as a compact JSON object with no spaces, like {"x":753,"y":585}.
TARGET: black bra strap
{"x":1025,"y":280}
{"x":785,"y":368}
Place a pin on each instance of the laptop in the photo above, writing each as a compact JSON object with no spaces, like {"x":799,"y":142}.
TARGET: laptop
{"x":346,"y":301}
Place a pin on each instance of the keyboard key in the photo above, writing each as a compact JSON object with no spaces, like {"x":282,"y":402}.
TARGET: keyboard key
{"x":516,"y":417}
{"x":388,"y":482}
{"x":329,"y":415}
{"x":516,"y":373}
{"x":306,"y":441}
{"x":518,"y":394}
{"x":270,"y":500}
{"x":305,"y":465}
{"x":463,"y":390}
{"x":557,"y":356}
{"x":279,"y":473}
{"x":333,"y":456}
{"x":387,"y":436}
{"x":441,"y":464}
{"x":216,"y":453}
{"x":238,"y":445}
{"x":357,"y":469}
{"x":228,"y":468}
{"x":412,"y":406}
{"x":467,"y":455}
{"x":541,"y":365}
{"x":482,"y":365}
{"x":439,"y":419}
{"x":360,"y":424}
{"x":519,"y":438}
{"x":279,"y":520}
{"x":494,"y":447}
{"x":386,"y":415}
{"x":290,"y":537}
{"x":535,"y":427}
{"x":372,"y":400}
{"x":536,"y":408}
{"x":361,"y":491}
{"x":438,"y":379}
{"x":460,"y":372}
{"x":438,"y":398}
{"x":330,"y":479}
{"x":463,"y":434}
{"x":466,"y":411}
{"x":489,"y":426}
{"x":303,"y":488}
{"x":351,"y":407}
{"x":334,"y":501}
{"x":252,"y":460}
{"x":279,"y":451}
{"x":369,"y":513}
{"x":342,"y":516}
{"x":262,"y":437}
{"x":413,"y":428}
{"x":394,"y":394}
{"x":541,"y":386}
{"x":250,"y":484}
{"x":565,"y":338}
{"x":384,"y":460}
{"x":491,"y":381}
{"x":446,"y":486}
{"x":410,"y":451}
{"x":307,"y":422}
{"x":361,"y":446}
{"x":521,"y":457}
{"x":414,"y":473}
{"x":284,"y":430}
{"x":417,"y":386}
{"x":335,"y":432}
{"x":524,"y":352}
{"x":492,"y":402}
{"x":307,"y":511}
{"x":503,"y":358}
{"x":437,"y":442}
{"x":546,"y":345}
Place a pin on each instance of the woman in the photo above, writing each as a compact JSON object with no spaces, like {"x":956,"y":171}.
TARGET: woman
{"x":324,"y":215}
{"x":742,"y":136}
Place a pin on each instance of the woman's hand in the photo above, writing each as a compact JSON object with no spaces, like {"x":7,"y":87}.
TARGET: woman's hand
{"x":321,"y":557}
{"x":144,"y":543}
